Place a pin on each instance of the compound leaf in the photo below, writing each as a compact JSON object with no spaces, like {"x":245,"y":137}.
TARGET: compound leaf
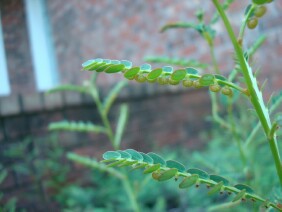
{"x":174,"y":164}
{"x":189,"y":181}
{"x":168,"y":174}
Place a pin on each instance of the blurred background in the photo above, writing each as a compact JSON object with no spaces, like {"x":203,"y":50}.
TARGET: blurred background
{"x":43,"y":44}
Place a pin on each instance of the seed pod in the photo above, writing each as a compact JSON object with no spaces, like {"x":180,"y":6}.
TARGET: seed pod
{"x":260,"y":11}
{"x":173,"y":82}
{"x":196,"y":84}
{"x":163,"y":80}
{"x":252,"y":22}
{"x":227,"y":91}
{"x":140,"y":78}
{"x":152,"y":81}
{"x":156,"y":175}
{"x":215,"y":88}
{"x":187,"y":83}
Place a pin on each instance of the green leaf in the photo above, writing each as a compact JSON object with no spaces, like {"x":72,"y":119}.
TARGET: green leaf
{"x":96,"y":66}
{"x":121,"y":124}
{"x":154,"y":74}
{"x":259,"y":2}
{"x":192,"y":71}
{"x":157,"y":159}
{"x":217,"y":178}
{"x":174,"y":164}
{"x":201,"y":173}
{"x":116,"y":163}
{"x":126,"y":63}
{"x":109,"y":100}
{"x":90,"y":162}
{"x":108,"y":61}
{"x":3,"y":175}
{"x":244,"y":187}
{"x":88,"y":63}
{"x":216,"y":188}
{"x":206,"y":80}
{"x":152,"y":168}
{"x":239,"y":196}
{"x":124,"y":154}
{"x":134,"y":155}
{"x":147,"y":158}
{"x":220,"y":77}
{"x":140,"y":166}
{"x":111,"y":155}
{"x":131,"y":73}
{"x":178,"y":25}
{"x":107,"y":161}
{"x":278,"y":120}
{"x":115,"y":62}
{"x":68,"y":87}
{"x":167,"y":69}
{"x":178,"y":75}
{"x":275,"y":101}
{"x":103,"y":68}
{"x":77,"y":126}
{"x":176,"y":61}
{"x":247,"y":9}
{"x":128,"y":163}
{"x":115,"y":68}
{"x":145,"y":67}
{"x":168,"y":174}
{"x":189,"y":181}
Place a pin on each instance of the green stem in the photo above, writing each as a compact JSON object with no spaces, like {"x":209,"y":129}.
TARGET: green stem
{"x":252,"y":134}
{"x":256,"y":45}
{"x":236,"y":134}
{"x":217,"y":118}
{"x":244,"y":24}
{"x":130,"y":194}
{"x":95,"y":95}
{"x":229,"y":84}
{"x":215,"y":115}
{"x":255,"y":96}
{"x":214,"y":61}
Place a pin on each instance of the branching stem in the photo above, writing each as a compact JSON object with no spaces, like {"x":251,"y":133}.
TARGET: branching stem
{"x":255,"y":96}
{"x":244,"y":24}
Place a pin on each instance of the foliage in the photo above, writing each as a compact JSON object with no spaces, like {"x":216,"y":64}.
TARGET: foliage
{"x":216,"y":82}
{"x":10,"y":205}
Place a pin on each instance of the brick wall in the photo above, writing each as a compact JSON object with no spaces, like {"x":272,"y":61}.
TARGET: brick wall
{"x":118,"y":30}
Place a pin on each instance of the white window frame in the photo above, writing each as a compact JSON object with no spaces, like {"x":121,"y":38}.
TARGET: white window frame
{"x":43,"y":54}
{"x":5,"y":89}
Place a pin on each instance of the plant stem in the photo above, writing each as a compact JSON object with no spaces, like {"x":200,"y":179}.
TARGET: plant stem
{"x":215,"y":115}
{"x":255,"y":95}
{"x":95,"y":95}
{"x":244,"y":24}
{"x":130,"y":193}
{"x":214,"y":61}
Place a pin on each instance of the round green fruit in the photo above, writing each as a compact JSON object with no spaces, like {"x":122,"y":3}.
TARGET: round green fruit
{"x":197,"y":84}
{"x":173,"y":82}
{"x":260,"y":11}
{"x":187,"y":83}
{"x":215,"y":88}
{"x":252,"y":23}
{"x":227,"y":91}
{"x":140,"y":78}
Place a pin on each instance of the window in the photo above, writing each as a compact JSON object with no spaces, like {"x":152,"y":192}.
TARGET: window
{"x":4,"y":79}
{"x":43,"y":55}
